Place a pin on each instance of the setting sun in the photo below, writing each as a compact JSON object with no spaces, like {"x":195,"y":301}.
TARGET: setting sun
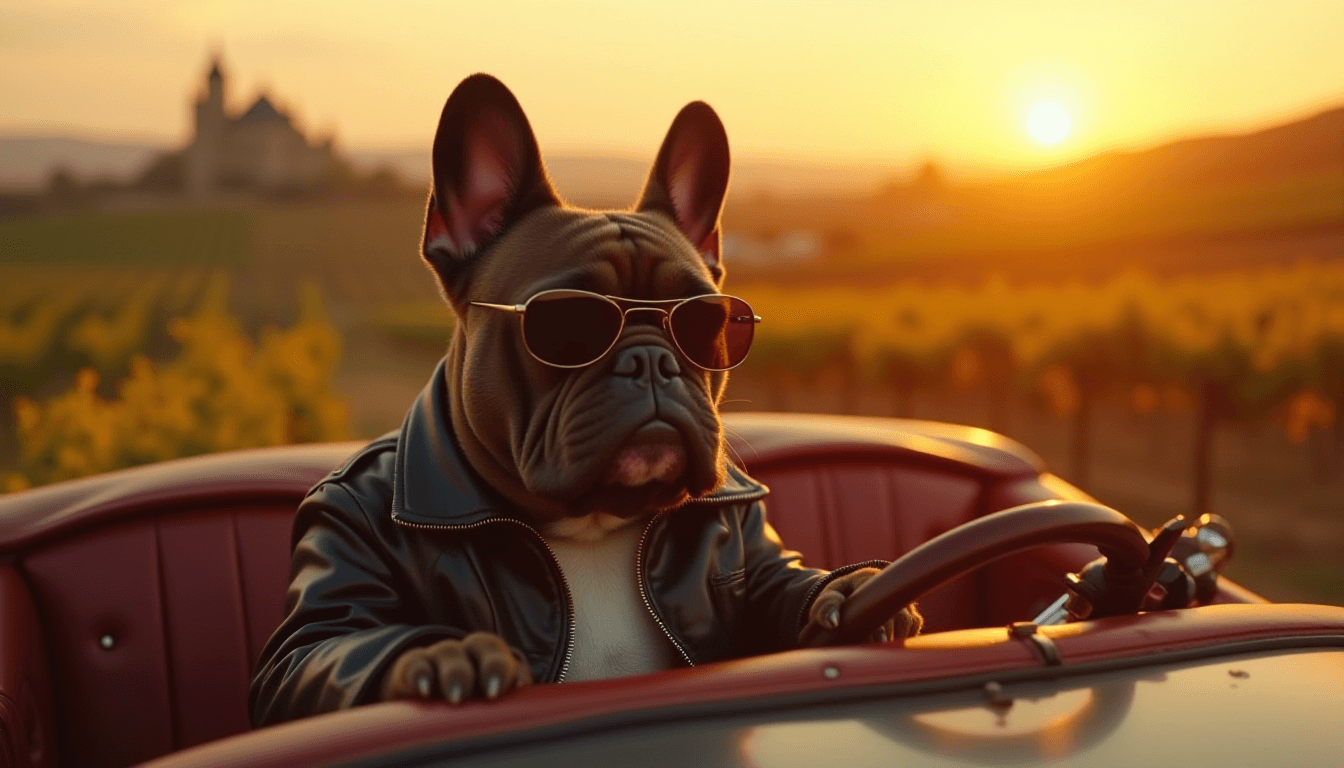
{"x":1048,"y":122}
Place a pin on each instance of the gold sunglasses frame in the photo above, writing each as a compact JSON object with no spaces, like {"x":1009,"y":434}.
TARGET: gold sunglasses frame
{"x":641,"y":305}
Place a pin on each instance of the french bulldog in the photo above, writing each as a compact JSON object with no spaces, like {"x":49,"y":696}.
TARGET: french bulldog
{"x":583,"y":452}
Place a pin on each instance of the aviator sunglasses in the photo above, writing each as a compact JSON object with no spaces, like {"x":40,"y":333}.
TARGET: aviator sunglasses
{"x":570,"y":328}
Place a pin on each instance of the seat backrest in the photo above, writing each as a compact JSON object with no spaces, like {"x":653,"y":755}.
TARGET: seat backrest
{"x":844,"y":512}
{"x":156,"y":588}
{"x":154,"y":626}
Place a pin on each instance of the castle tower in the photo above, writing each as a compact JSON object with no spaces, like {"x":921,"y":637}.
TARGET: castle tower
{"x":207,"y":143}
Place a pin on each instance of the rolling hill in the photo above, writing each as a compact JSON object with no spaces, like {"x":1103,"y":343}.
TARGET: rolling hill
{"x":1277,"y":193}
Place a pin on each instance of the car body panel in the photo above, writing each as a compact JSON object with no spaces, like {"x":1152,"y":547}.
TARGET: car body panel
{"x":1195,"y":714}
{"x":942,"y":662}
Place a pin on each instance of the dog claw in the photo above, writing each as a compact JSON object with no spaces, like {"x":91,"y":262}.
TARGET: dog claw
{"x":455,"y":693}
{"x":422,"y":686}
{"x":832,"y":618}
{"x":882,"y":635}
{"x":492,"y":686}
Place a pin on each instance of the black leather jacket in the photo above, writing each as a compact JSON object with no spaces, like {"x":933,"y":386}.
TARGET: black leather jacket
{"x":401,"y":546}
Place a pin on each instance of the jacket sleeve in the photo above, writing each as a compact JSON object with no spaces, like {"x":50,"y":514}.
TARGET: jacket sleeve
{"x":780,"y":589}
{"x":346,"y":618}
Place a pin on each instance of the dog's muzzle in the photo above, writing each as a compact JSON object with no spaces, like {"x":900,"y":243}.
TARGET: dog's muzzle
{"x":654,"y":453}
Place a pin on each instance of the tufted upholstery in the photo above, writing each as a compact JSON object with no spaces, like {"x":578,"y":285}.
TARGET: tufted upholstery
{"x":27,"y":715}
{"x":183,"y":567}
{"x":187,"y":599}
{"x":847,"y":513}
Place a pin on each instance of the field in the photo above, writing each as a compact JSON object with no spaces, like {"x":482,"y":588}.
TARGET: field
{"x":1160,"y":393}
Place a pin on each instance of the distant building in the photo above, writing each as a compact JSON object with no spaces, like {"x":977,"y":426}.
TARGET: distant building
{"x":258,"y":150}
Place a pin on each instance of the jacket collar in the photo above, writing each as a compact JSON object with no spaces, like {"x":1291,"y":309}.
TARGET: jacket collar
{"x":433,"y":485}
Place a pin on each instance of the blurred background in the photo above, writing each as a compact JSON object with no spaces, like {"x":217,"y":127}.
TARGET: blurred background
{"x":1114,"y":233}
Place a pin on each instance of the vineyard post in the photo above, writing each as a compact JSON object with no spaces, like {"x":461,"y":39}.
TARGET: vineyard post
{"x":1000,"y":407}
{"x":1337,"y":399}
{"x":902,"y":400}
{"x":1338,"y":463}
{"x":1321,"y":452}
{"x":995,"y":369}
{"x":848,"y":377}
{"x":778,"y":383}
{"x":901,"y":375}
{"x":1082,"y":435}
{"x":851,"y":386}
{"x":9,"y":434}
{"x":1207,"y":406}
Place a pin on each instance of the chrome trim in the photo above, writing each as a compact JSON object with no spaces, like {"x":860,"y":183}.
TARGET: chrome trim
{"x":1045,"y":648}
{"x":1198,"y":564}
{"x":1056,"y":613}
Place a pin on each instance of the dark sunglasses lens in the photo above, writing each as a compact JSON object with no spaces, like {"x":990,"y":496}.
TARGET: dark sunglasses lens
{"x":714,"y":332}
{"x":570,"y":329}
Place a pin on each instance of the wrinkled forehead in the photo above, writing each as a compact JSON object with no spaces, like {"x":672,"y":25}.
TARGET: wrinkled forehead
{"x":618,"y":253}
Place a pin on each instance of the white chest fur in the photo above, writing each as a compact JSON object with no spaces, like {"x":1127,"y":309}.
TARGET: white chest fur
{"x":615,"y":635}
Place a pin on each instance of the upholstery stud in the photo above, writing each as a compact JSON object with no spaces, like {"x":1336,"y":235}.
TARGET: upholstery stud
{"x":107,"y":642}
{"x":114,"y":707}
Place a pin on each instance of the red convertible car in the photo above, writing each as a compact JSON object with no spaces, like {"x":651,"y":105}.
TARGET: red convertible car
{"x":133,"y":606}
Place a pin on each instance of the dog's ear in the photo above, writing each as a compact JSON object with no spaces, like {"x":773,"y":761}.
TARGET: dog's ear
{"x":487,"y":173}
{"x":690,"y":178}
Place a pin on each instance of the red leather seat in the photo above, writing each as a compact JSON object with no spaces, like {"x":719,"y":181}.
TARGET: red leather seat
{"x":153,"y":590}
{"x":156,"y":625}
{"x":135,"y":603}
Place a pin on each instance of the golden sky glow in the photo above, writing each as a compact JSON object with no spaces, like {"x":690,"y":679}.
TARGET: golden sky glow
{"x":840,"y":80}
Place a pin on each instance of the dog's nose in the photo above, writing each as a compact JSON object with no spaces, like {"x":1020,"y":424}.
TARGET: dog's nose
{"x":642,"y":362}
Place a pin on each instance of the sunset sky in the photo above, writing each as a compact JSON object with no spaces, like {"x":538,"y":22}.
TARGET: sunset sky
{"x":839,"y":80}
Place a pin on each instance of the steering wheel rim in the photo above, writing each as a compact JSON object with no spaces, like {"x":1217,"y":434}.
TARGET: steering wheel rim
{"x":976,"y":543}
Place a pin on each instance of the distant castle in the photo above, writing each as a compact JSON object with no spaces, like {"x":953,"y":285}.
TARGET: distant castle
{"x":258,"y":150}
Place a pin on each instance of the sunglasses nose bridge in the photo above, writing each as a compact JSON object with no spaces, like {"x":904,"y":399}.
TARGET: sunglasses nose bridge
{"x":665,"y":321}
{"x":665,"y":313}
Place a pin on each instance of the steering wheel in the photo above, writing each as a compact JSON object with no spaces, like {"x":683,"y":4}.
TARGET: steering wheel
{"x":969,"y":546}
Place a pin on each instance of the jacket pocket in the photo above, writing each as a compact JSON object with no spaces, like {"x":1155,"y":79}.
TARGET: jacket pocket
{"x":727,"y":594}
{"x":728,"y":579}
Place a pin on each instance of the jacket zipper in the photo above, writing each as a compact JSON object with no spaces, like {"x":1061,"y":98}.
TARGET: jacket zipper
{"x":555,"y":561}
{"x":644,"y":587}
{"x":639,"y":564}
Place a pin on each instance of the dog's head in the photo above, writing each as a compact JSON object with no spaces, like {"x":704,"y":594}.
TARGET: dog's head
{"x":638,"y":429}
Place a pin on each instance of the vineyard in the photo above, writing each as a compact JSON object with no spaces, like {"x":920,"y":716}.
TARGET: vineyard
{"x":210,"y":239}
{"x":1257,"y":333}
{"x":221,"y":390}
{"x":54,"y":320}
{"x":1238,"y":347}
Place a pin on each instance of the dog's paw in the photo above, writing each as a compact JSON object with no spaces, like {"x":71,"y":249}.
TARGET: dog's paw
{"x":479,"y":665}
{"x":825,"y":613}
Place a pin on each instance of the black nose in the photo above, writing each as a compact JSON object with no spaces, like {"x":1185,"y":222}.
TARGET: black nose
{"x":643,"y":362}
